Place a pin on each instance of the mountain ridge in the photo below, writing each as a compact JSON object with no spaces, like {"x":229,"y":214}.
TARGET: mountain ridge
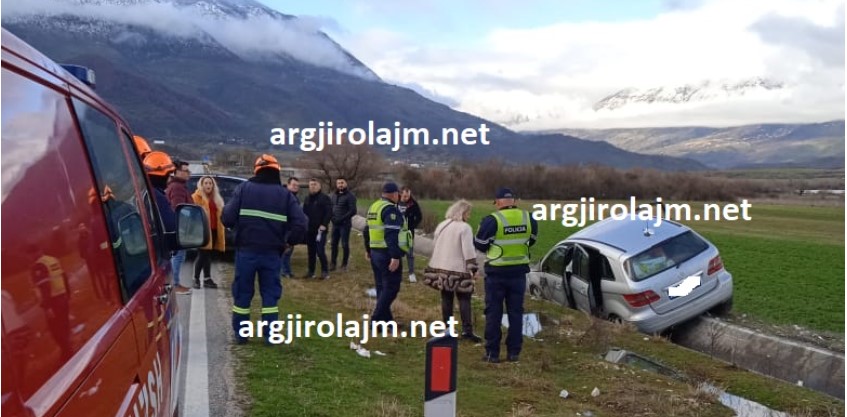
{"x":766,"y":144}
{"x":203,"y":89}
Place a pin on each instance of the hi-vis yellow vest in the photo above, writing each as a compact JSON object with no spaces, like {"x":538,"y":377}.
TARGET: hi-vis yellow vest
{"x":55,"y":275}
{"x":376,"y":228}
{"x":511,"y":243}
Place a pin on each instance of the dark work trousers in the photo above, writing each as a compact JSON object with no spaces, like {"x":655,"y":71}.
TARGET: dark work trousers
{"x":248,"y":264}
{"x":387,"y":284}
{"x":341,"y":232}
{"x":204,"y":259}
{"x":510,"y":290}
{"x":317,"y":250}
{"x":464,"y":308}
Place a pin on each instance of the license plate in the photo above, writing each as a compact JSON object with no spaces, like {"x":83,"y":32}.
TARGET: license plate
{"x":685,"y":287}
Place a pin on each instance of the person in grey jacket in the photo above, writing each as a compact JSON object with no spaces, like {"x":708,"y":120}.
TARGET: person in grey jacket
{"x":343,"y":210}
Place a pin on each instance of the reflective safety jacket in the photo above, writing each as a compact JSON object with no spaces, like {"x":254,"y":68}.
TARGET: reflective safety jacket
{"x":511,"y":241}
{"x":387,"y":229}
{"x":55,"y":275}
{"x":505,"y":237}
{"x":265,"y":216}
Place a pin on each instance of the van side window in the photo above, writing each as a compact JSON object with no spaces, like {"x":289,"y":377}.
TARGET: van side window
{"x":156,"y":227}
{"x":118,"y":197}
{"x":59,"y":285}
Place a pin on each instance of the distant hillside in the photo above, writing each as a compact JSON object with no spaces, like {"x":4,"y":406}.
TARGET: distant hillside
{"x":209,"y":88}
{"x":766,"y":145}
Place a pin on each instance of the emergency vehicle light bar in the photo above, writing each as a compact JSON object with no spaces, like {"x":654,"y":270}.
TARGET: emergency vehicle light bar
{"x":84,"y":74}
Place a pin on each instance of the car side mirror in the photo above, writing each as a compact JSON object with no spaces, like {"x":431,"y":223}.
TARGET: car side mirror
{"x":133,"y":235}
{"x":192,"y":226}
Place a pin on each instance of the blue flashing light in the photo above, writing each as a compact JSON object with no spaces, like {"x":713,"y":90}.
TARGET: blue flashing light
{"x":84,"y":74}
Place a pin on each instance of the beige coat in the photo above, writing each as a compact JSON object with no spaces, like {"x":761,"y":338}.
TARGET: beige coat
{"x":453,"y":259}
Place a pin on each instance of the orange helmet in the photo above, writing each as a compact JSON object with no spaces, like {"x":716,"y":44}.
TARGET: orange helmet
{"x":158,"y":163}
{"x":106,"y":196}
{"x":141,"y":146}
{"x":265,"y":161}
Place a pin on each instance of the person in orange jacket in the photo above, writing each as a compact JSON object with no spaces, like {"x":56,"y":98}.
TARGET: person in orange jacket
{"x":208,"y":197}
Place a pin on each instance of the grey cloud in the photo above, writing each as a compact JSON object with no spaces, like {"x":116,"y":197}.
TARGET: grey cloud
{"x":825,"y":44}
{"x":250,"y":37}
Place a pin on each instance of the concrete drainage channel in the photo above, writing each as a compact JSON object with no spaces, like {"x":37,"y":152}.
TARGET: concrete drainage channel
{"x":742,"y":406}
{"x":798,"y":363}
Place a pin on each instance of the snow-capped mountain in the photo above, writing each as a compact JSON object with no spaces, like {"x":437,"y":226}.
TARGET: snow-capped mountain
{"x":689,"y":93}
{"x":804,"y":145}
{"x":200,"y":72}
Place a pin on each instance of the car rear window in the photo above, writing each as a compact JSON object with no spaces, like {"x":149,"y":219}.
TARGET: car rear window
{"x":666,"y":255}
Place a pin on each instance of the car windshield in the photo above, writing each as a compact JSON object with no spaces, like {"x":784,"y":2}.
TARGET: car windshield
{"x":666,"y":255}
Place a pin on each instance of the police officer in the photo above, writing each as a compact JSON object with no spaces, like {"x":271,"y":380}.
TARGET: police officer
{"x":266,"y":218}
{"x":505,"y":237}
{"x":386,"y":242}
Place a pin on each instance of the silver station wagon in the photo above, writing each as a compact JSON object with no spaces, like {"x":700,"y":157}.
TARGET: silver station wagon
{"x":635,"y":272}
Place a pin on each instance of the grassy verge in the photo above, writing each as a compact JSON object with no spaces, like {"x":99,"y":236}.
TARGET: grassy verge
{"x":787,"y":263}
{"x":323,"y":377}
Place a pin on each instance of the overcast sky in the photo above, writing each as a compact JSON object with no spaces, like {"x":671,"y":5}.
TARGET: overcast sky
{"x":545,"y":63}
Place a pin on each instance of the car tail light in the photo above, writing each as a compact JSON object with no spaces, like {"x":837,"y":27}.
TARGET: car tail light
{"x":641,"y":299}
{"x":715,"y":265}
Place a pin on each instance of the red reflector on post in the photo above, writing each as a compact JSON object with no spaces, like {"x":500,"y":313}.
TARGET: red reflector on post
{"x":442,"y":369}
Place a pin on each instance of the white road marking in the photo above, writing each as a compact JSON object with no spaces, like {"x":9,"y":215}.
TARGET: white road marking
{"x":197,"y":378}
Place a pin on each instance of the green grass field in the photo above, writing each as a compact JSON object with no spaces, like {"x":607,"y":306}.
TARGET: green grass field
{"x":787,"y":262}
{"x":323,"y":377}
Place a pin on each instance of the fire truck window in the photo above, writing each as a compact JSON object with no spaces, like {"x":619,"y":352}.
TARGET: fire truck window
{"x":59,"y":284}
{"x":156,"y":226}
{"x":117,"y":194}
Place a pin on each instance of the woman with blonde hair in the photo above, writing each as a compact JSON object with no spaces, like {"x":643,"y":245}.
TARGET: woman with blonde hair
{"x":453,"y":267}
{"x":208,"y":197}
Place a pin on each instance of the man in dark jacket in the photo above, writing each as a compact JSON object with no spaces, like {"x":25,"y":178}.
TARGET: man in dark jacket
{"x":177,"y":193}
{"x":318,"y":208}
{"x":293,"y":186}
{"x":343,"y":210}
{"x":412,"y":211}
{"x":266,"y":218}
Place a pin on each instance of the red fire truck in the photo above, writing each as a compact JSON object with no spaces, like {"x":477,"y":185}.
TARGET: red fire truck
{"x":89,"y":324}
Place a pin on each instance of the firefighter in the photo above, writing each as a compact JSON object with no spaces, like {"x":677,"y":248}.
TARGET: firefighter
{"x":141,"y":146}
{"x":505,"y":237}
{"x":266,"y":218}
{"x":159,"y":166}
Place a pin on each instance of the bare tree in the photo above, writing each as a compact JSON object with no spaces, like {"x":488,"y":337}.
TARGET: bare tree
{"x":356,"y":164}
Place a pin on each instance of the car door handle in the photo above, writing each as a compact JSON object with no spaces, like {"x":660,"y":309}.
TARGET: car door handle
{"x":162,"y":299}
{"x":165,"y":295}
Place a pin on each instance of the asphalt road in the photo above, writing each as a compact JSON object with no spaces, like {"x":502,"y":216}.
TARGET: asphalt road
{"x":207,"y":366}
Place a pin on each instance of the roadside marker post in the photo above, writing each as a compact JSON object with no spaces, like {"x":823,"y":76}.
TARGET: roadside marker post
{"x":440,"y":389}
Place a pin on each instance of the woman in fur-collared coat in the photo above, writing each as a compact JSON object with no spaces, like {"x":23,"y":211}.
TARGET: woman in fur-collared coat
{"x":453,"y":267}
{"x":208,"y":197}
